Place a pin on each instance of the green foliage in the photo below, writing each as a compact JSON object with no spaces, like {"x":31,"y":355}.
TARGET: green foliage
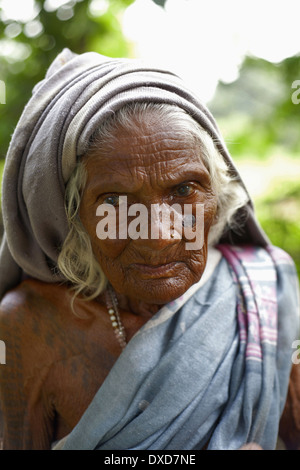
{"x":260,"y":121}
{"x":73,"y":25}
{"x":279,"y":214}
{"x":257,"y":110}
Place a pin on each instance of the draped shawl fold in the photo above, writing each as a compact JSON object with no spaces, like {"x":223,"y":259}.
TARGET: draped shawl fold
{"x":191,"y":373}
{"x":78,"y":92}
{"x":209,"y":369}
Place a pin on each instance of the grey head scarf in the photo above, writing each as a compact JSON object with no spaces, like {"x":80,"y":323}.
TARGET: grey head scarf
{"x":78,"y":92}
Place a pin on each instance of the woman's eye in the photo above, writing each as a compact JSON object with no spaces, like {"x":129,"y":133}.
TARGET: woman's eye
{"x":112,"y":200}
{"x":184,"y":190}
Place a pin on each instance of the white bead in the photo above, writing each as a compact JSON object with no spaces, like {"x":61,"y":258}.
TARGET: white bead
{"x":116,"y":321}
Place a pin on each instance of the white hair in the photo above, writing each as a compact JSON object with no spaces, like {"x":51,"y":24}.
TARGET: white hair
{"x":76,"y":260}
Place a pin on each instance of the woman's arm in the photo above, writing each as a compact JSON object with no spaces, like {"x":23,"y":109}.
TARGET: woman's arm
{"x":27,"y":424}
{"x":289,"y":429}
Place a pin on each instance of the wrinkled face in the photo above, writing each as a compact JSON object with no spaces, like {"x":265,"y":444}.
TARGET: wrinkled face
{"x":151,"y":166}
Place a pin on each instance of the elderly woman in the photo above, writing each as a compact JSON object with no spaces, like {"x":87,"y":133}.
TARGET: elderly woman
{"x":145,"y":332}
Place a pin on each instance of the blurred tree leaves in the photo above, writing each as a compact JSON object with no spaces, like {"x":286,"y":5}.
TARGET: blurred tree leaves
{"x":257,"y":108}
{"x":279,"y":215}
{"x":260,"y":121}
{"x":28,"y":48}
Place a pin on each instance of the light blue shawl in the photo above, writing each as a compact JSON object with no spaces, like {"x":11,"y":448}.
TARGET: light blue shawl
{"x":208,"y":367}
{"x":211,"y":367}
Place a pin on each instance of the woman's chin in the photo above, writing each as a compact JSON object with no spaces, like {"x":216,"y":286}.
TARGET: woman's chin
{"x":159,"y":291}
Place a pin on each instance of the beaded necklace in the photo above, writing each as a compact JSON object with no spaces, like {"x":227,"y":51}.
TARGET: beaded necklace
{"x":113,"y":311}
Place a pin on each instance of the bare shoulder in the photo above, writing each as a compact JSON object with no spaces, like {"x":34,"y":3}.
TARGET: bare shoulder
{"x":14,"y":311}
{"x":33,"y":303}
{"x":21,"y":297}
{"x":33,"y":295}
{"x":33,"y":320}
{"x":55,"y":361}
{"x":38,"y":325}
{"x":26,"y":358}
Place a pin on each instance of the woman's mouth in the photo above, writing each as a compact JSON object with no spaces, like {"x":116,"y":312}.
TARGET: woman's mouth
{"x":152,"y":271}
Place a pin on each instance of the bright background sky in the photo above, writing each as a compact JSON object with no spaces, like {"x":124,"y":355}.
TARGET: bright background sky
{"x":205,"y":41}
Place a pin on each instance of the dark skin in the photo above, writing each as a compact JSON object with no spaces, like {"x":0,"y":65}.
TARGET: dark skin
{"x":156,"y":167}
{"x":56,"y":361}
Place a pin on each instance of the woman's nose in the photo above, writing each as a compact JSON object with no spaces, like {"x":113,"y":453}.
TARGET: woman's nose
{"x":158,"y":243}
{"x":159,"y":229}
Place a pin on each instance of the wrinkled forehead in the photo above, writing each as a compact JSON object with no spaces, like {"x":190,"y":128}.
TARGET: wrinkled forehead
{"x":101,"y":95}
{"x":151,"y":154}
{"x":136,"y":147}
